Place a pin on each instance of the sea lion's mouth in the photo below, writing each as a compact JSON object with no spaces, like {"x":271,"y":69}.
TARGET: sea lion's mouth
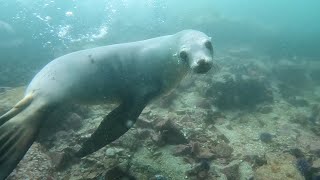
{"x":202,"y":66}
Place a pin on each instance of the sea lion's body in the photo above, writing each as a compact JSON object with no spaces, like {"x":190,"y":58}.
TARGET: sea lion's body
{"x":132,"y":74}
{"x":110,"y":72}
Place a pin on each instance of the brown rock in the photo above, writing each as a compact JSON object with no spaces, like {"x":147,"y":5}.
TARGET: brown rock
{"x":144,"y":123}
{"x":118,"y":173}
{"x":205,"y":154}
{"x":265,"y":109}
{"x":231,"y":171}
{"x":222,"y":150}
{"x":200,"y":171}
{"x":74,"y":121}
{"x":182,"y":150}
{"x":143,"y":134}
{"x":156,"y":137}
{"x":169,"y":133}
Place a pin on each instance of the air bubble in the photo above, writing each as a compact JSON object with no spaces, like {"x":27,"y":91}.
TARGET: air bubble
{"x":129,"y":124}
{"x":69,"y":13}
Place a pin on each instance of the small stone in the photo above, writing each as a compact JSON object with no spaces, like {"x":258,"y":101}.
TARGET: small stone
{"x":266,"y":137}
{"x":111,"y":152}
{"x":170,"y":134}
{"x":316,"y":163}
{"x":223,"y":137}
{"x":245,"y":171}
{"x":182,"y":150}
{"x":93,"y":175}
{"x":255,"y":160}
{"x":118,"y":173}
{"x":231,"y":171}
{"x":296,"y":152}
{"x":265,"y":109}
{"x":143,"y":134}
{"x":200,"y":171}
{"x":75,"y":121}
{"x":144,"y":123}
{"x":195,"y":148}
{"x":298,"y":102}
{"x":203,"y":103}
{"x":222,"y":150}
{"x":158,"y":177}
{"x":156,"y":137}
{"x":205,"y":154}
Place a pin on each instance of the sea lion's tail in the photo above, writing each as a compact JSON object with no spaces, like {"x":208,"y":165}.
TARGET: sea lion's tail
{"x":18,"y":129}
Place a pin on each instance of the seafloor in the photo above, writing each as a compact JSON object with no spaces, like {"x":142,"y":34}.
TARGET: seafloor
{"x":255,"y":118}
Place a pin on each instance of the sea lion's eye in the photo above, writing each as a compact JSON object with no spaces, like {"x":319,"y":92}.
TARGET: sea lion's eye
{"x":208,"y":45}
{"x":183,"y":55}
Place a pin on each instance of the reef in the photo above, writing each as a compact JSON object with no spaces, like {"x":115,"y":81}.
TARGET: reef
{"x":248,"y":120}
{"x":239,"y":91}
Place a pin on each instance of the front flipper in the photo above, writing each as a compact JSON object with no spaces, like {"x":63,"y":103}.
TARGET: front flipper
{"x":114,"y":125}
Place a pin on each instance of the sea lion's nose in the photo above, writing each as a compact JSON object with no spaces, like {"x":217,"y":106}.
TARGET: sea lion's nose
{"x":203,"y":66}
{"x":201,"y":62}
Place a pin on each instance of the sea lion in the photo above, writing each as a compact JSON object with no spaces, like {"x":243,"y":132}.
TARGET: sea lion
{"x":132,"y":74}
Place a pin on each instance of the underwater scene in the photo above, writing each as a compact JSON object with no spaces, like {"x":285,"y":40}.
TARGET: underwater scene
{"x":159,"y":90}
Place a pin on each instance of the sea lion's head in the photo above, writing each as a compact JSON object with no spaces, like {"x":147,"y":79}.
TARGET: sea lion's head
{"x":196,"y":49}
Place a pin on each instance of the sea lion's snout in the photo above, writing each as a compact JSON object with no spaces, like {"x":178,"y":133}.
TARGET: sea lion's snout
{"x":202,"y":66}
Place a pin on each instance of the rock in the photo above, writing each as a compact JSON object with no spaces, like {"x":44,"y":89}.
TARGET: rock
{"x":315,"y":114}
{"x":157,"y":139}
{"x":158,"y":177}
{"x":265,"y":109}
{"x":266,"y":137}
{"x":34,"y":165}
{"x":144,"y":123}
{"x":168,"y":100}
{"x":212,"y":115}
{"x":57,"y":160}
{"x":195,"y":148}
{"x":245,"y":171}
{"x":278,"y":167}
{"x":169,"y":133}
{"x":316,"y":163}
{"x":182,"y":150}
{"x":222,"y":150}
{"x":296,"y":152}
{"x":93,"y":175}
{"x":143,"y":134}
{"x":315,"y":151}
{"x":291,"y":74}
{"x":203,"y":103}
{"x":62,"y":160}
{"x":194,"y":151}
{"x":315,"y":75}
{"x":231,"y":171}
{"x":234,"y":92}
{"x":205,"y":154}
{"x":298,"y":102}
{"x":118,"y":173}
{"x":74,"y":121}
{"x":200,"y":171}
{"x":255,"y":160}
{"x":304,"y":166}
{"x":112,"y":151}
{"x":299,"y":118}
{"x":223,"y":138}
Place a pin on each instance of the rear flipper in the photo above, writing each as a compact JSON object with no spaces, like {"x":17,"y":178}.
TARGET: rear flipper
{"x":21,"y":105}
{"x":17,"y":134}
